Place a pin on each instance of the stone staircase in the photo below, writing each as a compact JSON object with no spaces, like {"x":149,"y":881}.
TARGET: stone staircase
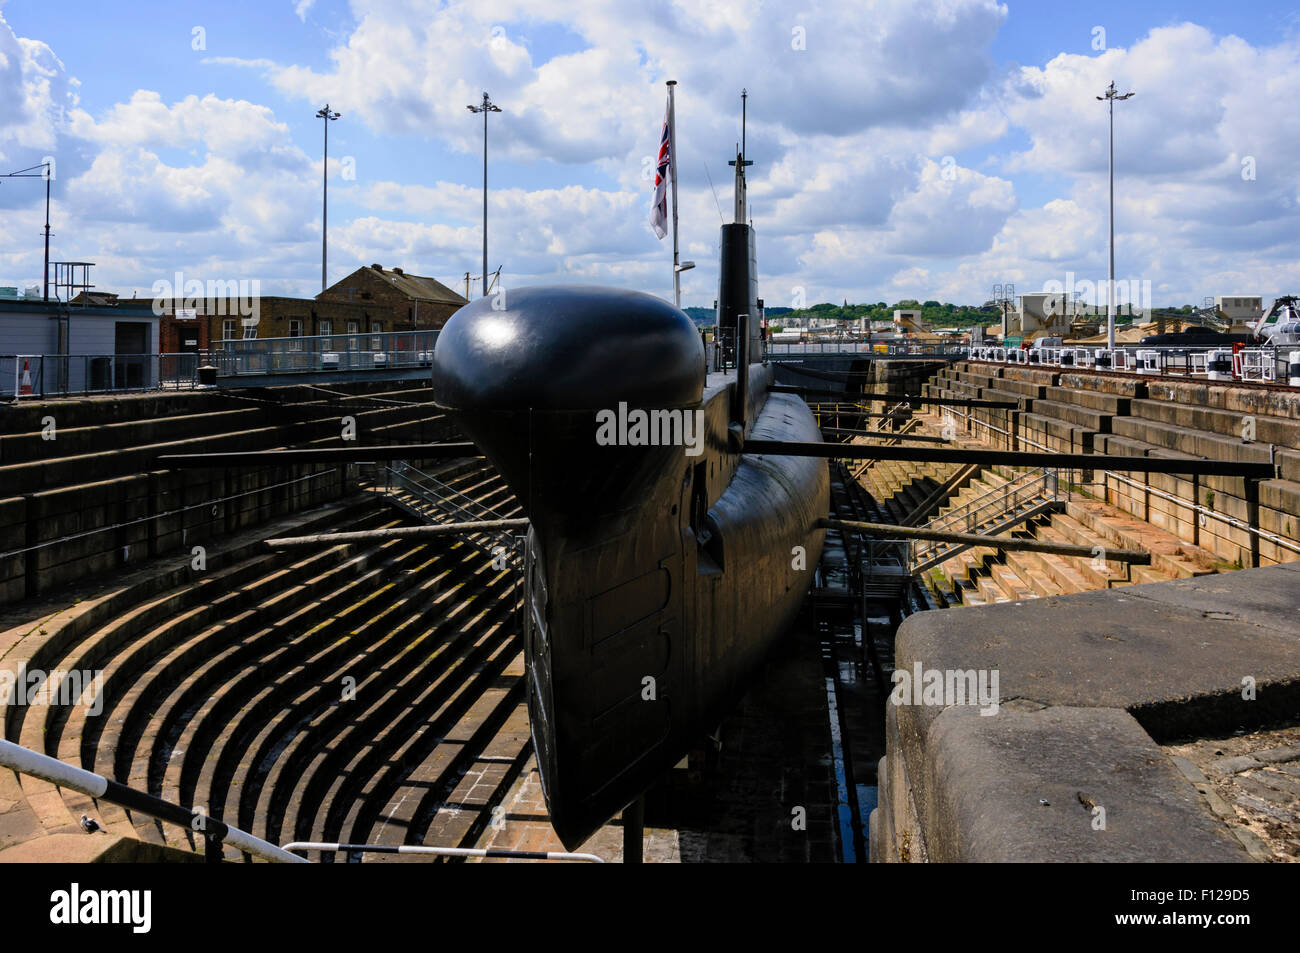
{"x":1125,"y":415}
{"x":993,"y":503}
{"x":82,"y":493}
{"x":369,"y":692}
{"x":427,"y":495}
{"x":985,"y":575}
{"x":1080,"y":413}
{"x":900,"y":487}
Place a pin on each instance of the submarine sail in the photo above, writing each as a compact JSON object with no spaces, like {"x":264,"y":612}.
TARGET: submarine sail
{"x":660,"y":564}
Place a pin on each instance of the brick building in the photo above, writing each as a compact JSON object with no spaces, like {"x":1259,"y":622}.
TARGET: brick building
{"x":369,"y":301}
{"x":401,"y":301}
{"x":211,"y":320}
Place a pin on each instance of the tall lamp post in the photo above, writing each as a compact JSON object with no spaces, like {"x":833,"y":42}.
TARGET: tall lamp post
{"x":485,"y":107}
{"x":46,"y":173}
{"x":1110,"y":98}
{"x":328,"y":117}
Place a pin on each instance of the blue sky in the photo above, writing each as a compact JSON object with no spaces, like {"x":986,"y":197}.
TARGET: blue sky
{"x":923,"y":148}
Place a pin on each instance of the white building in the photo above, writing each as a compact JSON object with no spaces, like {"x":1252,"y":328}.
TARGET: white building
{"x":1240,"y":308}
{"x":77,"y":348}
{"x":1041,"y":311}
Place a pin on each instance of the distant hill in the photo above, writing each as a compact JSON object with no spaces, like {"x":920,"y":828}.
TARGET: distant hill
{"x":935,"y":313}
{"x":706,"y":316}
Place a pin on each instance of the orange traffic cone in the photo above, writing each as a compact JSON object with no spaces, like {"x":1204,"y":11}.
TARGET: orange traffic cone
{"x":25,"y":387}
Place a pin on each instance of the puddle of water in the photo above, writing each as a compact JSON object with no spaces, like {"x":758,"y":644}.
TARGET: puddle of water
{"x":843,"y":810}
{"x":868,"y":798}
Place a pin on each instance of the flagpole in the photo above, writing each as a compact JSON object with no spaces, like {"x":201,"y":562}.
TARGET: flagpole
{"x":672,"y":170}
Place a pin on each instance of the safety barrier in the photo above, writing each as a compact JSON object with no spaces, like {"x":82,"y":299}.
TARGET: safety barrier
{"x":25,"y":376}
{"x":1249,"y":365}
{"x":335,"y":352}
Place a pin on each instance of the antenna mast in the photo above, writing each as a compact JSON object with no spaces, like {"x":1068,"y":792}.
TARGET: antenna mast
{"x":740,"y":162}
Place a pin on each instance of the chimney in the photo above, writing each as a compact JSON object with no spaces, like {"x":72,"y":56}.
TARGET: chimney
{"x":398,"y":271}
{"x":377,"y":267}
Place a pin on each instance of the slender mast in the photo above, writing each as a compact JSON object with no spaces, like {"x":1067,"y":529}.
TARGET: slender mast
{"x":48,"y":176}
{"x":741,"y":210}
{"x":46,"y":293}
{"x":672,"y":171}
{"x":324,"y":199}
{"x":328,"y":116}
{"x":1110,"y":97}
{"x":1110,"y":275}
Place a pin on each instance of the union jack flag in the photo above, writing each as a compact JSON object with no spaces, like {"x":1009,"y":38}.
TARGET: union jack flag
{"x":659,"y":211}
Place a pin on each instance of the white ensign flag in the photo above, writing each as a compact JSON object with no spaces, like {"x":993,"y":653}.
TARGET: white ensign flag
{"x":659,"y":213}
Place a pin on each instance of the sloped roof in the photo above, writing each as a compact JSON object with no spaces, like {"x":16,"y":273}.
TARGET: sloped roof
{"x":1130,"y":334}
{"x":96,"y":298}
{"x":417,"y":286}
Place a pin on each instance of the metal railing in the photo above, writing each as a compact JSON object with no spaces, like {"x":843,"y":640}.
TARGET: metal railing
{"x":1026,"y":492}
{"x":334,"y":352}
{"x":1251,"y":365}
{"x":774,"y":349}
{"x":215,"y":833}
{"x":157,"y":517}
{"x":723,"y":350}
{"x":26,"y":376}
{"x":354,"y":851}
{"x":432,"y":496}
{"x":1203,"y":512}
{"x":899,"y":417}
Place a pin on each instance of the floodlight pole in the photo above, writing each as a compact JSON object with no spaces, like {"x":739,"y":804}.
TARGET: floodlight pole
{"x":327,"y":116}
{"x":1110,"y":98}
{"x":485,"y":107}
{"x":46,"y":173}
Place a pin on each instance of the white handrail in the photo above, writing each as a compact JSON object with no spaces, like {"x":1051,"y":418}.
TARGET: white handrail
{"x":444,"y":851}
{"x":27,"y":761}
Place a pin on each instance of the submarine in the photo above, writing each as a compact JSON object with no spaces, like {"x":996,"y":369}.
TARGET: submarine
{"x":661,"y":562}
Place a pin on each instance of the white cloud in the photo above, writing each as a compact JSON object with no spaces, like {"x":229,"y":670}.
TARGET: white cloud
{"x":892,"y":155}
{"x":35,"y":94}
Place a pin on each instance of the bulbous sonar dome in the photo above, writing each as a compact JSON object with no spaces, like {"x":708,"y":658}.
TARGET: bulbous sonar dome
{"x":567,"y":347}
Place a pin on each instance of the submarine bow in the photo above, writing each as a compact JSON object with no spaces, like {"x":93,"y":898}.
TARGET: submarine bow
{"x":658,"y":563}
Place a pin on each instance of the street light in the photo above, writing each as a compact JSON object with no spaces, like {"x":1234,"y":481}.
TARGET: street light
{"x":1110,"y":98}
{"x":327,"y":116}
{"x":46,"y":173}
{"x":485,"y":107}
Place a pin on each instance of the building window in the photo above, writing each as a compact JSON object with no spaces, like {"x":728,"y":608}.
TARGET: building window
{"x":376,"y":343}
{"x":354,"y":327}
{"x":228,"y":330}
{"x":325,"y":328}
{"x":295,"y":331}
{"x":250,"y":332}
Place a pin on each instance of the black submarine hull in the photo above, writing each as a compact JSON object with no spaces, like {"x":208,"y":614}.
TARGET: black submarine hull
{"x":661,"y":566}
